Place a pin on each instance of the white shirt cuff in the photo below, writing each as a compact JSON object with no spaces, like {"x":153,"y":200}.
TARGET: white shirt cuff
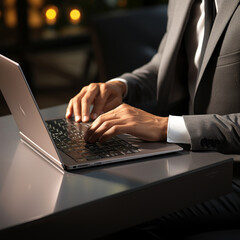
{"x":121,"y":80}
{"x":177,"y":130}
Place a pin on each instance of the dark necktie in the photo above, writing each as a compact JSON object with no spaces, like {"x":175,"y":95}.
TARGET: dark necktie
{"x":210,"y":13}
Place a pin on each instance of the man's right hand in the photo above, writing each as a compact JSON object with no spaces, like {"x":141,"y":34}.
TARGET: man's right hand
{"x":103,"y":97}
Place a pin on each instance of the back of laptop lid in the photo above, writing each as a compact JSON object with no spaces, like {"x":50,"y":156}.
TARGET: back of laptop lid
{"x":24,"y":109}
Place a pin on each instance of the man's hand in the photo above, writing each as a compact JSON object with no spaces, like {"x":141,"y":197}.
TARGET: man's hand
{"x":127,"y":119}
{"x":103,"y":96}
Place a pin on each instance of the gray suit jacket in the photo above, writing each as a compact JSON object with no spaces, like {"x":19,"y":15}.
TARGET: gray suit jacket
{"x":160,"y":86}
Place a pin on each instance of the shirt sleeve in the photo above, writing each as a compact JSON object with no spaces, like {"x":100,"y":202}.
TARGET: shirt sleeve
{"x":177,"y":130}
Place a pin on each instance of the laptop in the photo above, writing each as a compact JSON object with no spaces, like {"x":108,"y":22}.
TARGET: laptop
{"x":60,"y":141}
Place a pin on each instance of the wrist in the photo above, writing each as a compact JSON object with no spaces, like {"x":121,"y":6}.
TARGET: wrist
{"x":120,"y":85}
{"x":165,"y":127}
{"x":163,"y":123}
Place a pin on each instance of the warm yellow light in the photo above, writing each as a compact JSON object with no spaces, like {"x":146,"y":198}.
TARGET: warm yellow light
{"x":36,"y":3}
{"x":75,"y":15}
{"x":10,"y":17}
{"x":35,"y":19}
{"x":51,"y":14}
{"x":9,"y":3}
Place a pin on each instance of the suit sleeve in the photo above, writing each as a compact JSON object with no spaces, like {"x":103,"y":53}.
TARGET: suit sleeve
{"x":142,"y":82}
{"x":214,"y":132}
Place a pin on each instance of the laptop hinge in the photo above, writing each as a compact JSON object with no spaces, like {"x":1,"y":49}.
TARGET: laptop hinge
{"x":38,"y":149}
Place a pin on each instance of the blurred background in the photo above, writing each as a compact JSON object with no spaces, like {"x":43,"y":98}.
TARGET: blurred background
{"x":63,"y":45}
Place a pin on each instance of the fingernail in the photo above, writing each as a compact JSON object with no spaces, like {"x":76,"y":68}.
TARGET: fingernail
{"x":84,"y":118}
{"x":67,"y":114}
{"x":77,"y":118}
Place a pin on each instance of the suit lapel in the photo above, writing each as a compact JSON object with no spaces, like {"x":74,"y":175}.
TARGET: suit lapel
{"x":225,"y":11}
{"x":178,"y":20}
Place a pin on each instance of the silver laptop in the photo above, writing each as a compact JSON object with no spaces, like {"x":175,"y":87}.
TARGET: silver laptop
{"x":60,"y":141}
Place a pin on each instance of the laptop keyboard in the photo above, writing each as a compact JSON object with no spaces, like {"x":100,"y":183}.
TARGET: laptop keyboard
{"x":69,"y":138}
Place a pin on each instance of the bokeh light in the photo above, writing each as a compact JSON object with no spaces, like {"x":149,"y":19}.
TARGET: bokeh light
{"x":75,"y":15}
{"x":51,"y":14}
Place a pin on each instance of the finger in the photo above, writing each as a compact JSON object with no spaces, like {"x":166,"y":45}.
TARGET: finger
{"x":77,"y":110}
{"x":94,"y":126}
{"x":113,"y":131}
{"x":76,"y":103}
{"x":100,"y":102}
{"x":103,"y":121}
{"x":69,"y":110}
{"x":87,"y":100}
{"x":111,"y":115}
{"x":93,"y":135}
